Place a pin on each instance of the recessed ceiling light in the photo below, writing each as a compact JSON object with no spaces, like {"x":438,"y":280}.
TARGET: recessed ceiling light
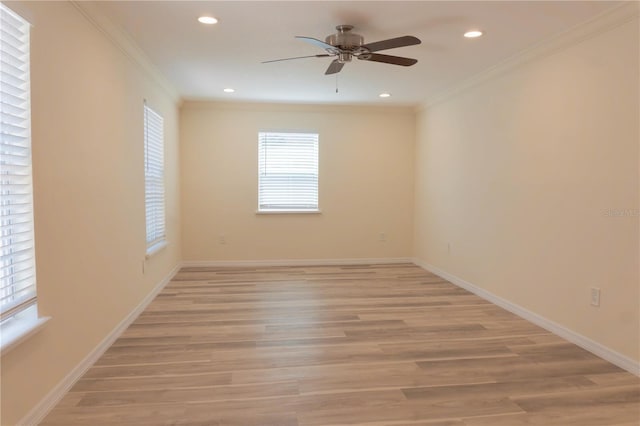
{"x":384,"y":95}
{"x":209,"y":20}
{"x":473,"y":34}
{"x":229,"y":90}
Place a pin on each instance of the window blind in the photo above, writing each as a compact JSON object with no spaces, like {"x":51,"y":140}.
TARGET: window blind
{"x":17,"y":254}
{"x":154,"y":177}
{"x":288,"y":171}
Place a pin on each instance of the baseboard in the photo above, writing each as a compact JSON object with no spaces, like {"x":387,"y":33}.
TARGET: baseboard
{"x":38,"y":413}
{"x":594,"y":347}
{"x":295,"y":262}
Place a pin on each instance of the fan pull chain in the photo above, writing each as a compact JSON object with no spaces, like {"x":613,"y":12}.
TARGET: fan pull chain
{"x":336,"y":83}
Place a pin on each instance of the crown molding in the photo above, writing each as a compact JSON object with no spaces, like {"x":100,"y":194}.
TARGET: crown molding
{"x":602,"y":23}
{"x":198,"y":104}
{"x":126,"y":45}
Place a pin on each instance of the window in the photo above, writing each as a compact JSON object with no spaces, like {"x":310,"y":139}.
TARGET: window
{"x":154,"y":180}
{"x":18,"y":310}
{"x":287,"y":172}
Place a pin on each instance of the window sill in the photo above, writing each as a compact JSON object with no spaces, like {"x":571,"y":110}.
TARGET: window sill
{"x":151,"y":250}
{"x":288,"y":212}
{"x":19,"y":330}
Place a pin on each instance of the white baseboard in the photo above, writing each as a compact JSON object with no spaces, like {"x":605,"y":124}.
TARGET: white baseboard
{"x":295,"y":262}
{"x":38,"y":413}
{"x":594,"y":347}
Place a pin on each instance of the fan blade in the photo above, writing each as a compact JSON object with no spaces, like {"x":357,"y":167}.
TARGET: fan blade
{"x":316,"y":42}
{"x":334,"y":67}
{"x":388,"y":59}
{"x":324,"y":55}
{"x":392,"y":43}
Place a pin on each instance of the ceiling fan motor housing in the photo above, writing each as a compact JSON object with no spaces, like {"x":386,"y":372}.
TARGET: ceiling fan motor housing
{"x":344,"y":39}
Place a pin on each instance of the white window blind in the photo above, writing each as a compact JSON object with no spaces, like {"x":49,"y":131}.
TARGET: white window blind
{"x":17,"y":254}
{"x":154,"y":178}
{"x":288,"y":172}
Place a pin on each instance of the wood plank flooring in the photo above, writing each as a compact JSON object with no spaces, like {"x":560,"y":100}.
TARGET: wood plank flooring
{"x":341,"y":345}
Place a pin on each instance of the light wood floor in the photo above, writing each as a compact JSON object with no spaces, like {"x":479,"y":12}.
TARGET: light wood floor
{"x":357,"y":345}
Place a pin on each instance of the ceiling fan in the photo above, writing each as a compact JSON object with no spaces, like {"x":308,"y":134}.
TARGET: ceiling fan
{"x":345,"y":45}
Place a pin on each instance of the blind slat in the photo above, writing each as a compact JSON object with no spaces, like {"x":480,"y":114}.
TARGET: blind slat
{"x":287,"y":171}
{"x":17,"y":256}
{"x":154,"y":176}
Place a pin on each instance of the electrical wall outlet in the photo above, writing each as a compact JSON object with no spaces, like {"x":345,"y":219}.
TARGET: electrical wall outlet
{"x":595,"y":296}
{"x":382,"y":237}
{"x":222,"y":239}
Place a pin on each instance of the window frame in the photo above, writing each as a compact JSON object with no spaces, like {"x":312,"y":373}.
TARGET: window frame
{"x":19,"y":316}
{"x":154,"y":180}
{"x":296,"y":136}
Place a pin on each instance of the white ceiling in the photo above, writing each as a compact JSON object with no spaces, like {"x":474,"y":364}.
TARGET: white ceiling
{"x":202,"y":60}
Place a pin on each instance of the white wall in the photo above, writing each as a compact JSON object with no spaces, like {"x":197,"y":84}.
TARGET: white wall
{"x":514,"y":179}
{"x":365,"y":183}
{"x":514,"y":176}
{"x":87,"y":111}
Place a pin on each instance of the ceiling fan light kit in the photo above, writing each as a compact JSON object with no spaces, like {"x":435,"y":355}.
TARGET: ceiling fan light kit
{"x":346,"y":45}
{"x":344,"y":42}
